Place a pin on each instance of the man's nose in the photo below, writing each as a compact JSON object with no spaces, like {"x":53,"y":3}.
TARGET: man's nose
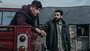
{"x":55,"y":16}
{"x":38,"y":12}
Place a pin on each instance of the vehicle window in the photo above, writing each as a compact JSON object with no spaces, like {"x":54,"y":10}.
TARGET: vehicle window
{"x":7,"y":17}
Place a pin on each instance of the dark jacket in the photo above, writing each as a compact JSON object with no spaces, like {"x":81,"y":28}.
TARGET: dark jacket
{"x":21,"y":18}
{"x":49,"y":28}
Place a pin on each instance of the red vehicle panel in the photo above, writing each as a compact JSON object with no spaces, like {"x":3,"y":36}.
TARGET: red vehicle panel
{"x":7,"y":35}
{"x":16,"y":38}
{"x":26,"y":30}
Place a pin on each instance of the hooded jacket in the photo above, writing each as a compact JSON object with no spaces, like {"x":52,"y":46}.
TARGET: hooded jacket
{"x":24,"y":17}
{"x":21,"y":18}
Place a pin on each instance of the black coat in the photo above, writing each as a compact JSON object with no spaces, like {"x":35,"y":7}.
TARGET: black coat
{"x":49,"y":28}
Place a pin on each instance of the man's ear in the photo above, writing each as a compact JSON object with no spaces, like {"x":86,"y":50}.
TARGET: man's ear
{"x":31,"y":8}
{"x":62,"y":16}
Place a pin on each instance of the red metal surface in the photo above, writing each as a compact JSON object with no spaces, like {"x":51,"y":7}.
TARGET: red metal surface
{"x":7,"y":39}
{"x":6,"y":50}
{"x":7,"y":44}
{"x":9,"y":9}
{"x":26,"y":30}
{"x":6,"y":36}
{"x":15,"y":32}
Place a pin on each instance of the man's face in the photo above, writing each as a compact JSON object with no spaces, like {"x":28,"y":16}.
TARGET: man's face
{"x":57,"y":15}
{"x":35,"y":11}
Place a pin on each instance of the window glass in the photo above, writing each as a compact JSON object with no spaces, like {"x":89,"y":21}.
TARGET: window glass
{"x":7,"y":17}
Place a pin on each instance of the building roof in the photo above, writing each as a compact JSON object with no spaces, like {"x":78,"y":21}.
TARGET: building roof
{"x":72,"y":15}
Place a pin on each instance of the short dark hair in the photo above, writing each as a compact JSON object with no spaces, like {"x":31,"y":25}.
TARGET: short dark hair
{"x":36,"y":4}
{"x":61,"y":12}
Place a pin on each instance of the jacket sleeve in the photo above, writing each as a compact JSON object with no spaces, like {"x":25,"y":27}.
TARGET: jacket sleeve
{"x":45,"y":27}
{"x":21,"y":19}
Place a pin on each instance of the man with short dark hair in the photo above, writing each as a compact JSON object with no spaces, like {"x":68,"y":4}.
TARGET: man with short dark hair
{"x":58,"y":37}
{"x":26,"y":16}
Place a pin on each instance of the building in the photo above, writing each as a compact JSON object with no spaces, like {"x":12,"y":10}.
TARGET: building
{"x":78,"y":18}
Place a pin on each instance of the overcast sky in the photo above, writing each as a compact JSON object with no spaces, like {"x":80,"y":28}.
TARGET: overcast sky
{"x":52,"y":3}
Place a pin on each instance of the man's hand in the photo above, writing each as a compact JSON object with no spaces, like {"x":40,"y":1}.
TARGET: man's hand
{"x":38,"y":30}
{"x":42,"y":32}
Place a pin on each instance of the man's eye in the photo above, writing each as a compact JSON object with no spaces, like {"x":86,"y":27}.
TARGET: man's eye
{"x":56,"y":14}
{"x":36,"y":8}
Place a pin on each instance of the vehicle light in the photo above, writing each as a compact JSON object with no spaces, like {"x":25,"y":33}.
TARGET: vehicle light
{"x":22,"y":48}
{"x":22,"y":38}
